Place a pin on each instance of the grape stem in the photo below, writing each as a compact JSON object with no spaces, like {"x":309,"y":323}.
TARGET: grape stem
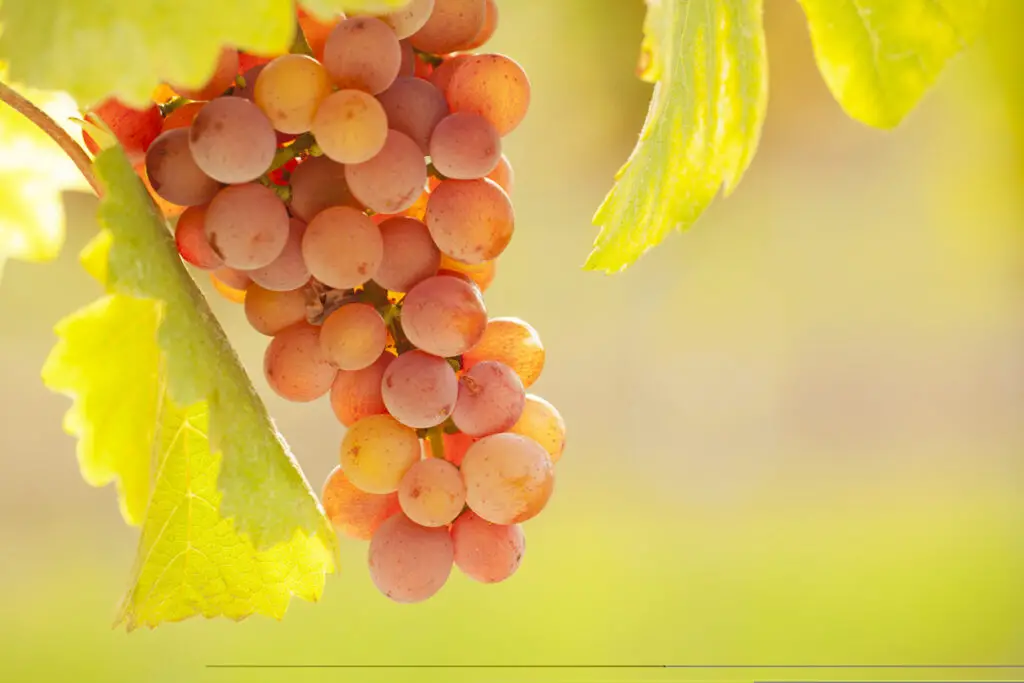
{"x":46,"y":124}
{"x":435,"y":435}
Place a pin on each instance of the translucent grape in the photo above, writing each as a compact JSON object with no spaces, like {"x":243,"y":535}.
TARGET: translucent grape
{"x":409,"y":563}
{"x":444,"y":315}
{"x":544,"y":424}
{"x":223,"y":76}
{"x":393,"y":180}
{"x":350,"y":126}
{"x":270,"y":312}
{"x":509,"y":478}
{"x":319,"y":183}
{"x":357,"y":394}
{"x":316,"y":31}
{"x":376,"y":453}
{"x":355,"y":513}
{"x":414,"y":107}
{"x":183,"y":116}
{"x":410,"y":19}
{"x":408,"y":64}
{"x":410,"y":255}
{"x":432,"y":492}
{"x":493,"y":86}
{"x":247,"y":225}
{"x":419,"y":208}
{"x":487,"y":32}
{"x":504,"y":175}
{"x":482,"y":274}
{"x":190,"y":238}
{"x":456,"y":445}
{"x":168,"y":209}
{"x":441,"y":77}
{"x":288,"y":271}
{"x":465,"y":146}
{"x":362,"y":53}
{"x":135,"y":129}
{"x":420,"y":390}
{"x":289,"y":90}
{"x":453,"y":23}
{"x":491,"y":399}
{"x":354,"y":336}
{"x":232,"y":140}
{"x":513,"y":342}
{"x":173,"y":173}
{"x":230,"y":284}
{"x":485,"y":552}
{"x":295,"y":367}
{"x":470,"y":220}
{"x":342,"y":247}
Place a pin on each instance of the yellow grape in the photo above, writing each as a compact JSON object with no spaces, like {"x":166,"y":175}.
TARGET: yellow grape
{"x":269,"y":312}
{"x":543,"y":423}
{"x":376,"y":453}
{"x":513,"y":342}
{"x":350,"y":126}
{"x":289,"y":89}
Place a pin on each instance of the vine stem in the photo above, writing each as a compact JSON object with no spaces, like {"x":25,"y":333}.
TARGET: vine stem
{"x":436,"y":438}
{"x":46,"y":124}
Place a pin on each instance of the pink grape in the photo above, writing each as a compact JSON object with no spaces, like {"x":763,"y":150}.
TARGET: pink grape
{"x":355,"y":513}
{"x":232,"y":140}
{"x":452,"y":24}
{"x":376,"y":453}
{"x":432,"y":493}
{"x":173,"y":172}
{"x":354,"y":336}
{"x":247,"y":225}
{"x":420,"y":389}
{"x":392,"y":180}
{"x":269,"y":312}
{"x":342,"y":247}
{"x":408,"y":65}
{"x":288,"y":271}
{"x":486,"y":552}
{"x":410,"y":563}
{"x":295,"y":367}
{"x":444,"y":315}
{"x":465,"y":146}
{"x":509,"y":478}
{"x":362,"y":53}
{"x":357,"y":394}
{"x":470,"y":220}
{"x":190,"y":238}
{"x":410,"y":255}
{"x":414,"y":107}
{"x":491,"y":399}
{"x":319,"y":183}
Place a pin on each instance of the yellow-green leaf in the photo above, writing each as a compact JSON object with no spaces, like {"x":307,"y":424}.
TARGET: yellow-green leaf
{"x":702,"y":128}
{"x":879,"y":57}
{"x":327,"y":8}
{"x":193,"y":561}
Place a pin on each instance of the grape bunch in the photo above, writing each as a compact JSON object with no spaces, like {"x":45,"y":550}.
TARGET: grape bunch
{"x":354,"y":196}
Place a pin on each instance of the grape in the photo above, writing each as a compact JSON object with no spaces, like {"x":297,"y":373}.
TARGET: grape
{"x":503,"y":175}
{"x":376,"y":453}
{"x":342,"y":247}
{"x":442,"y":75}
{"x":420,"y":390}
{"x":513,"y":342}
{"x":482,"y":274}
{"x":432,"y":493}
{"x":350,"y":126}
{"x":289,"y":90}
{"x":409,"y":62}
{"x":419,"y":208}
{"x":270,"y":312}
{"x":166,"y":208}
{"x":295,"y":367}
{"x":354,"y":336}
{"x":414,"y":107}
{"x":410,"y":19}
{"x":247,"y":225}
{"x":183,"y":116}
{"x":542,"y":422}
{"x":409,"y":563}
{"x":509,"y":478}
{"x":444,"y":315}
{"x":456,"y":445}
{"x":288,"y":271}
{"x":465,"y":146}
{"x":225,"y":279}
{"x":487,"y":32}
{"x":135,"y":129}
{"x":232,"y":140}
{"x":491,"y":399}
{"x":355,"y":513}
{"x":493,"y":86}
{"x":362,"y":53}
{"x":357,"y":394}
{"x":487,"y":552}
{"x":173,"y":173}
{"x":391,"y":181}
{"x":453,"y":23}
{"x":410,"y":255}
{"x":319,"y":183}
{"x":224,"y":72}
{"x":470,"y":220}
{"x":190,"y":238}
{"x":316,"y":31}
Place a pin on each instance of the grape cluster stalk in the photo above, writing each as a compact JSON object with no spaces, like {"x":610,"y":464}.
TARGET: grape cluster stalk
{"x":353,"y":195}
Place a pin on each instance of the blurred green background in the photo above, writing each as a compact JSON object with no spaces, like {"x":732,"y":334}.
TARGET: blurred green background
{"x":795,"y":432}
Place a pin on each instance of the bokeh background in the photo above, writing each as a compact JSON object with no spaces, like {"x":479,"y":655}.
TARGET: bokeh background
{"x":795,"y":432}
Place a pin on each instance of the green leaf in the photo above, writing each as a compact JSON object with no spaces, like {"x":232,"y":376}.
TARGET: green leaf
{"x":879,"y":57}
{"x":155,"y":338}
{"x":93,"y":49}
{"x":702,"y":128}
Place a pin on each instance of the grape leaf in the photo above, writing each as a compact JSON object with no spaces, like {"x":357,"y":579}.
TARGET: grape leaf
{"x":879,"y":57}
{"x":702,"y":129}
{"x":327,"y":8}
{"x":93,"y":49}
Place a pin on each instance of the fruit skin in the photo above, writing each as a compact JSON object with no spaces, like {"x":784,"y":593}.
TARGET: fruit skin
{"x":410,"y":563}
{"x":485,"y":552}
